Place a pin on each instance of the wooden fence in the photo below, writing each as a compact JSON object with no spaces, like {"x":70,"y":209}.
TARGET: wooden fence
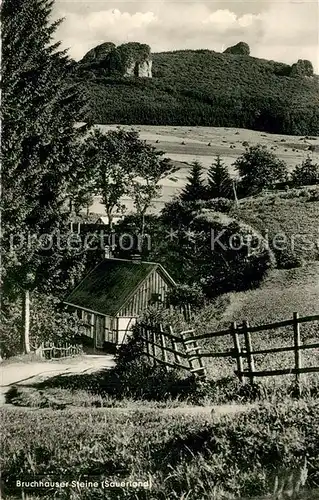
{"x":48,"y":350}
{"x":185,"y":352}
{"x":172,"y":351}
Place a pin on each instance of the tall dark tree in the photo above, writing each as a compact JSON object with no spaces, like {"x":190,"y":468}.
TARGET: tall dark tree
{"x":40,"y":106}
{"x":219,"y":181}
{"x":195,"y":189}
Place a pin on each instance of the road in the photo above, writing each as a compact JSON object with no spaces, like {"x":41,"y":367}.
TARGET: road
{"x":20,"y":373}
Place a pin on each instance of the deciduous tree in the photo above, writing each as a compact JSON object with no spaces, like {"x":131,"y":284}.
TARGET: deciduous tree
{"x":258,"y":169}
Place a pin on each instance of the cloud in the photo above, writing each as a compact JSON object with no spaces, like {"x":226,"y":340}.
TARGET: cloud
{"x":284,"y":30}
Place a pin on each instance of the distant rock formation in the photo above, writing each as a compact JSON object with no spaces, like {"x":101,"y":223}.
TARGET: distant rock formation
{"x":98,"y":54}
{"x":240,"y":48}
{"x":127,"y":60}
{"x":302,"y":68}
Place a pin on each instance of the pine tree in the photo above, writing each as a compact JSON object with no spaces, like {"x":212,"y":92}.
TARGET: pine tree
{"x":194,"y":189}
{"x":219,"y":181}
{"x":40,"y":106}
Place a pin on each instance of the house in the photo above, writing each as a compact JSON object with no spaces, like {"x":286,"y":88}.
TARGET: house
{"x":111,"y":297}
{"x":104,"y":220}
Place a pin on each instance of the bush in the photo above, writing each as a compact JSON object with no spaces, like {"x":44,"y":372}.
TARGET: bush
{"x":222,"y":205}
{"x":49,"y":321}
{"x":259,"y":169}
{"x":187,"y":294}
{"x":286,"y":259}
{"x":306,"y":174}
{"x":230,"y":255}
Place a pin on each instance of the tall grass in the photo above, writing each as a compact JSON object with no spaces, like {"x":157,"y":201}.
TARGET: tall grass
{"x":183,"y":456}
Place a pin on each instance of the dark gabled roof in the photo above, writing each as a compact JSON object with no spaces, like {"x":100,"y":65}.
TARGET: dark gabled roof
{"x":111,"y":283}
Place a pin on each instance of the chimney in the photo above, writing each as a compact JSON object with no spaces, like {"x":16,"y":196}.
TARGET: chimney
{"x":136,"y":258}
{"x":107,"y":252}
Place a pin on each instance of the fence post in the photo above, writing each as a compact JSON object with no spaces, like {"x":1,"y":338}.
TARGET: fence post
{"x":237,"y":348}
{"x":145,"y":335}
{"x":297,"y":344}
{"x":250,"y":358}
{"x":163,"y":344}
{"x":190,"y":362}
{"x":175,"y":347}
{"x":153,"y":330}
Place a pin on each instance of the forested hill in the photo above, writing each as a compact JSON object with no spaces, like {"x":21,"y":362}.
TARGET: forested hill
{"x":207,"y":88}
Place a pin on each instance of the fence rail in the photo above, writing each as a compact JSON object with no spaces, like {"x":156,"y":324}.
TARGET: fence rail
{"x":185,"y":352}
{"x":52,"y":351}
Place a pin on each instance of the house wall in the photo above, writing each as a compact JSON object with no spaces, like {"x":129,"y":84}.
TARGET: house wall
{"x":124,"y":326}
{"x":154,"y":284}
{"x":98,"y":328}
{"x":118,"y":329}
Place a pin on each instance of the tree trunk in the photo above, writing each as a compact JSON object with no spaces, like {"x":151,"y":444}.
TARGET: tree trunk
{"x":71,"y":206}
{"x":110,"y":217}
{"x":235,"y":193}
{"x":143,"y":230}
{"x":26,"y":322}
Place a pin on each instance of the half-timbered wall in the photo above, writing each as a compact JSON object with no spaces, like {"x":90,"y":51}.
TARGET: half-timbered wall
{"x":152,"y":286}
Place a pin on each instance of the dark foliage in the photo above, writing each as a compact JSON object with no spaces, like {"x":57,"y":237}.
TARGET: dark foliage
{"x":219,"y":181}
{"x":206,"y":88}
{"x":195,"y":189}
{"x":259,"y":169}
{"x":306,"y":174}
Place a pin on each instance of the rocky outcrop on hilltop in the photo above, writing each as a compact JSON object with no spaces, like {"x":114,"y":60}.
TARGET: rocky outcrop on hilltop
{"x":98,"y":54}
{"x":127,"y":60}
{"x":241,"y":48}
{"x":302,"y":68}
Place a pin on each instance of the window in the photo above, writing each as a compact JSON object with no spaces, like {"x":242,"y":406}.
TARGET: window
{"x":155,"y":298}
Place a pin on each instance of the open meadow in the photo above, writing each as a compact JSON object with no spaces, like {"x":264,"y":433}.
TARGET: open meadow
{"x":183,"y":145}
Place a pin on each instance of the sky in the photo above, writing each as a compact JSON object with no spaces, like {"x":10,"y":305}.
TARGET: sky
{"x":282,"y":30}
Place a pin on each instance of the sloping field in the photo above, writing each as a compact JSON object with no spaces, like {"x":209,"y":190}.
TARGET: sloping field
{"x":186,"y":144}
{"x":289,"y":222}
{"x":282,"y":293}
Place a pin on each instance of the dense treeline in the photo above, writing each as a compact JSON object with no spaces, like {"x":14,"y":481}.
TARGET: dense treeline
{"x":208,"y":89}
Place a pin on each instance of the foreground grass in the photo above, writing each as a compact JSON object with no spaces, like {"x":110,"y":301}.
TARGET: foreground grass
{"x":180,"y":456}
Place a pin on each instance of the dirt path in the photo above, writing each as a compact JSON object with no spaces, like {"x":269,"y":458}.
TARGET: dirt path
{"x":210,"y":411}
{"x":19,"y":373}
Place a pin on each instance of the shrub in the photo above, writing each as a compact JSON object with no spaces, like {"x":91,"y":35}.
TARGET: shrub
{"x":306,"y":174}
{"x":230,"y":255}
{"x":49,"y":321}
{"x":187,"y":294}
{"x":259,"y":169}
{"x":222,"y":205}
{"x":286,"y":259}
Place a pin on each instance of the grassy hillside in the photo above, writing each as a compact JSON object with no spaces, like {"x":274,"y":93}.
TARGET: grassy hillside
{"x":292,"y":215}
{"x":209,"y":89}
{"x":281,"y":294}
